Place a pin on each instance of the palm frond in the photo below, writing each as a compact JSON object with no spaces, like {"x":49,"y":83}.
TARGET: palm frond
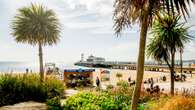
{"x":128,"y":12}
{"x":168,"y":35}
{"x":36,"y":24}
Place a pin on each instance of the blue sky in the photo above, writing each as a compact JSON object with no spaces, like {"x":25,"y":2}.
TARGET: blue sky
{"x":86,"y":28}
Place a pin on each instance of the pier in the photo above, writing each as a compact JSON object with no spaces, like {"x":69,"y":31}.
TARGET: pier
{"x":100,"y":62}
{"x":127,"y":66}
{"x":153,"y":68}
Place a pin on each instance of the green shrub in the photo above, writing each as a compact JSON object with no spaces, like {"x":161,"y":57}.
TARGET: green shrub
{"x":54,"y":104}
{"x":123,"y":84}
{"x":53,"y":87}
{"x":105,"y":79}
{"x":118,"y":98}
{"x":123,"y":88}
{"x":110,"y":86}
{"x":141,"y":107}
{"x":19,"y":88}
{"x":119,"y":75}
{"x":145,"y":98}
{"x":94,"y":101}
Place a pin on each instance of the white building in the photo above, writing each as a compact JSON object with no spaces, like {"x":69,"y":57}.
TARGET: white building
{"x":93,"y":59}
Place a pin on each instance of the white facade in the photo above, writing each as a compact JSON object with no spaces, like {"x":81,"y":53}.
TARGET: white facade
{"x":93,"y":59}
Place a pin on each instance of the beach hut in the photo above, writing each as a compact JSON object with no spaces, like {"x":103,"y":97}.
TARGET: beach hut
{"x":78,"y":77}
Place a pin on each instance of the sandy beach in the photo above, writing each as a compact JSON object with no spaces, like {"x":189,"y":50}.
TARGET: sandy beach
{"x":126,"y":74}
{"x":188,"y":84}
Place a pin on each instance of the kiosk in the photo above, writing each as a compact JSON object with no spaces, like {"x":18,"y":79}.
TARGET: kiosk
{"x":78,"y":77}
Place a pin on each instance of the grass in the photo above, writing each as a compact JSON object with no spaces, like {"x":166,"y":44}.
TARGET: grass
{"x":178,"y":103}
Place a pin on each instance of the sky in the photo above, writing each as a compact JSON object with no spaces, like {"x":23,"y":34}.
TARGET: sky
{"x":86,"y":27}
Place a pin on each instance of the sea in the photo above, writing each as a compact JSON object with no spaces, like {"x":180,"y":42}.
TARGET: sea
{"x":20,"y":67}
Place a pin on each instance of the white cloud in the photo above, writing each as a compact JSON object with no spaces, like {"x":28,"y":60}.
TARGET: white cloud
{"x":102,"y":7}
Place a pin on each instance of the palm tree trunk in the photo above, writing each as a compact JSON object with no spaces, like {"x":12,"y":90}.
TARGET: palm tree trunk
{"x":41,"y":71}
{"x":181,"y":60}
{"x":172,"y":72}
{"x":140,"y":62}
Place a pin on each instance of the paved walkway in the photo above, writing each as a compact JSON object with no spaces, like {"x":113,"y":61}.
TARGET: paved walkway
{"x":25,"y":106}
{"x":70,"y":92}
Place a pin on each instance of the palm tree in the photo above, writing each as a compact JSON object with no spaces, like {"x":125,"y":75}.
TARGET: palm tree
{"x":128,"y":12}
{"x":36,"y":25}
{"x":169,"y":36}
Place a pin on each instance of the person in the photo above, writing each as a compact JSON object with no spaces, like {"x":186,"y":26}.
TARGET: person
{"x":57,"y":71}
{"x":27,"y":70}
{"x":97,"y":81}
{"x":152,"y":83}
{"x":49,"y":71}
{"x":129,"y":79}
{"x":74,"y":82}
{"x":149,"y":80}
{"x":183,"y":77}
{"x":164,"y":78}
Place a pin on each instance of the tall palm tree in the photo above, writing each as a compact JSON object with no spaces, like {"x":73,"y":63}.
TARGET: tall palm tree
{"x":128,"y":12}
{"x":168,"y":37}
{"x":36,"y":25}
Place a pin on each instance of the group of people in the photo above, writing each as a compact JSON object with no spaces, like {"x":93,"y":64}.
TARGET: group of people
{"x":131,"y":82}
{"x":27,"y":71}
{"x":149,"y":81}
{"x":151,"y":89}
{"x":181,"y":77}
{"x":78,"y":80}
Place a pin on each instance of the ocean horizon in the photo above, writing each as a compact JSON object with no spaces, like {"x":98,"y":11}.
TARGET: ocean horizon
{"x":16,"y":66}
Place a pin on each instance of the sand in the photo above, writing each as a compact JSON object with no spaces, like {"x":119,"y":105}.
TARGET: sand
{"x":126,"y":74}
{"x":188,"y":84}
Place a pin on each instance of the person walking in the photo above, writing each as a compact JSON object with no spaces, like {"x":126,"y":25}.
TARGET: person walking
{"x":129,"y":79}
{"x":152,"y":83}
{"x":97,"y":82}
{"x":27,"y":70}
